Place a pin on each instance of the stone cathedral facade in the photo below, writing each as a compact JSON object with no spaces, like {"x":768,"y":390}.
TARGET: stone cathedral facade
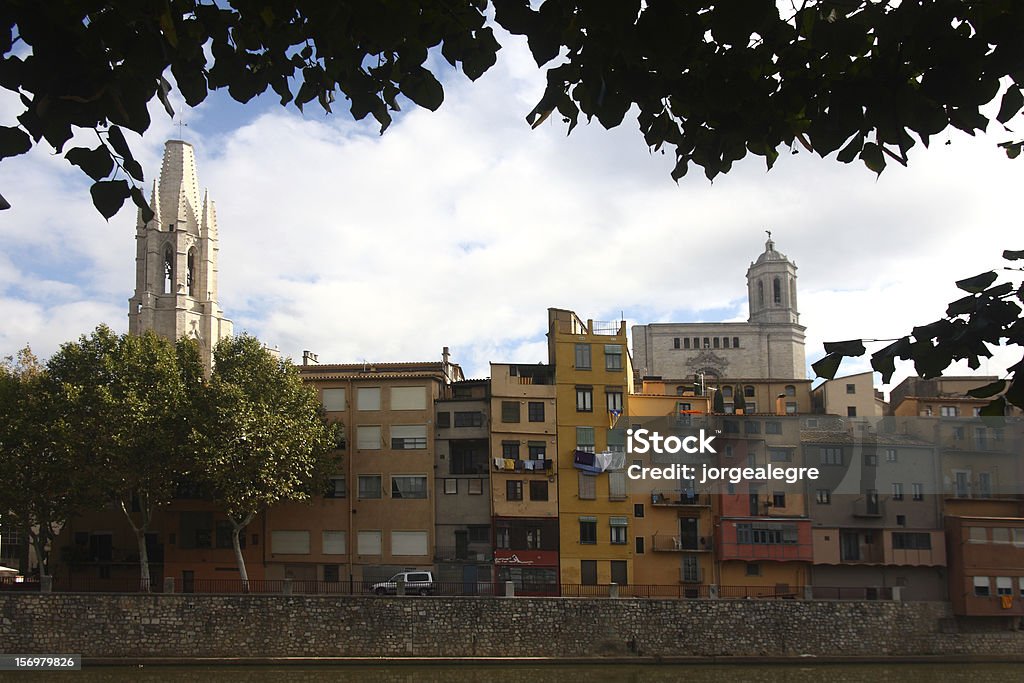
{"x":769,"y":345}
{"x":176,"y":259}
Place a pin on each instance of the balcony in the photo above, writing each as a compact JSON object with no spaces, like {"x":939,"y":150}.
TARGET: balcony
{"x":664,"y":543}
{"x":523,"y":466}
{"x":680,"y":499}
{"x":691,"y":575}
{"x":462,"y":554}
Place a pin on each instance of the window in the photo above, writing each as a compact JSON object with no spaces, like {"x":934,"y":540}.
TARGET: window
{"x":831,"y":456}
{"x":535,"y":411}
{"x":984,"y":485}
{"x":289,"y":542}
{"x":981,"y":586}
{"x":334,"y":542}
{"x":409,"y":543}
{"x":409,"y":486}
{"x":707,"y":342}
{"x":731,"y":427}
{"x":225,"y":531}
{"x":890,"y":455}
{"x":1000,"y":534}
{"x":753,"y":569}
{"x":871,"y":459}
{"x":851,"y":411}
{"x":686,"y":343}
{"x":613,"y":397}
{"x":510,"y":411}
{"x":368,"y":542}
{"x":510,"y":450}
{"x":727,"y":392}
{"x":773,"y":427}
{"x":333,"y":400}
{"x":470,"y":418}
{"x":639,"y":541}
{"x":538,"y":490}
{"x":751,"y":427}
{"x":613,"y":356}
{"x":1004,"y":585}
{"x":725,"y":342}
{"x":480,"y":534}
{"x":588,"y":572}
{"x":537,"y":450}
{"x":408,"y":398}
{"x":408,"y":437}
{"x":332,"y":573}
{"x":779,"y":499}
{"x":715,"y":342}
{"x":588,"y":530}
{"x":790,"y":390}
{"x":766,"y":534}
{"x":949,"y":411}
{"x":587,"y":486}
{"x":638,"y":509}
{"x":977,"y":534}
{"x":533,"y":538}
{"x":368,"y":437}
{"x":503,"y":538}
{"x":748,"y":391}
{"x":369,"y":486}
{"x":780,"y":454}
{"x":675,"y":343}
{"x":584,"y":399}
{"x":585,"y":439}
{"x":476,"y":487}
{"x":196,"y":532}
{"x":958,"y":433}
{"x":514,"y":489}
{"x":736,"y":342}
{"x":619,"y":572}
{"x":851,"y":388}
{"x":918,"y":491}
{"x":897,"y":491}
{"x":451,"y":487}
{"x":750,"y":408}
{"x":823,"y":496}
{"x":336,"y":487}
{"x":617,"y":486}
{"x":368,"y":398}
{"x":583,"y":356}
{"x":444,"y":420}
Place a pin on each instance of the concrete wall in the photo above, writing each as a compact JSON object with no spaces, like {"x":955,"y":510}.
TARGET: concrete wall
{"x":297,"y":626}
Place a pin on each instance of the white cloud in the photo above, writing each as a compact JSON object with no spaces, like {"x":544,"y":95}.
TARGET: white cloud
{"x":461,"y":227}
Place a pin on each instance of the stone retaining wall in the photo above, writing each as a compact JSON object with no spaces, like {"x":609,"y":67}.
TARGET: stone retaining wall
{"x":112,"y":626}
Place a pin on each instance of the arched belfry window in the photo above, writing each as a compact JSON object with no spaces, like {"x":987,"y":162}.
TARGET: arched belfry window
{"x":191,"y":280}
{"x":760,"y":292}
{"x":168,"y":270}
{"x":777,"y":291}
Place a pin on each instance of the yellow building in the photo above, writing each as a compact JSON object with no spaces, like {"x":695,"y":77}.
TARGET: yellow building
{"x":672,"y":519}
{"x":593,"y":376}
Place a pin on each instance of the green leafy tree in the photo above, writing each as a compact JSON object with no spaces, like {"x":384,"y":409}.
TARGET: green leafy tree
{"x":712,"y":81}
{"x":263,"y":435}
{"x":990,"y":315}
{"x":129,"y":401}
{"x":718,"y":402}
{"x":40,"y":487}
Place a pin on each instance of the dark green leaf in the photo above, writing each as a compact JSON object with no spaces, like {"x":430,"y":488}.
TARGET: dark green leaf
{"x":144,"y":208}
{"x":988,"y":390}
{"x":97,"y":163}
{"x":872,"y":157}
{"x":1010,"y":105}
{"x":1013,"y":255}
{"x":13,"y":141}
{"x":134,"y":169}
{"x":420,"y":86}
{"x":828,"y":366}
{"x":978,"y":283}
{"x":108,"y":196}
{"x":117,"y":141}
{"x":852,"y":347}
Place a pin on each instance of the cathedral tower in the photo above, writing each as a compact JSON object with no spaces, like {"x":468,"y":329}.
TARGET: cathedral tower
{"x":176,"y":259}
{"x":771,"y":287}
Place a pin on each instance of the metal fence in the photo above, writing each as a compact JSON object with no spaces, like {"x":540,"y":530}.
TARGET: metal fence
{"x":480,"y":589}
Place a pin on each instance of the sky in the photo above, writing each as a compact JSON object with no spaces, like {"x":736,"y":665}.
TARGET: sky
{"x":461,"y":227}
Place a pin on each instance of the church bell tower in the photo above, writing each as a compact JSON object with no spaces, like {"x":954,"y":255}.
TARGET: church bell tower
{"x":176,"y":259}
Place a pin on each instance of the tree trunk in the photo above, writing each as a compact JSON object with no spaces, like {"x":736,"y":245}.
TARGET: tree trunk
{"x":236,"y":529}
{"x":38,"y":542}
{"x":140,"y":537}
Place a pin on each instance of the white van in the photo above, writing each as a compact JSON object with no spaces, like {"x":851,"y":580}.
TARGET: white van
{"x":415,"y":582}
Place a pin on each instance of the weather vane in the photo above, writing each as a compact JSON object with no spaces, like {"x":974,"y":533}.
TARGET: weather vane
{"x":181,"y":126}
{"x":769,"y":233}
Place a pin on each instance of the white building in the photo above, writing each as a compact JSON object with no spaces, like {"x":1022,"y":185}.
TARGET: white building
{"x":770,"y":345}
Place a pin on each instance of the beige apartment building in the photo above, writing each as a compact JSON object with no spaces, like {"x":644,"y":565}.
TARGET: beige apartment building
{"x":378,"y":517}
